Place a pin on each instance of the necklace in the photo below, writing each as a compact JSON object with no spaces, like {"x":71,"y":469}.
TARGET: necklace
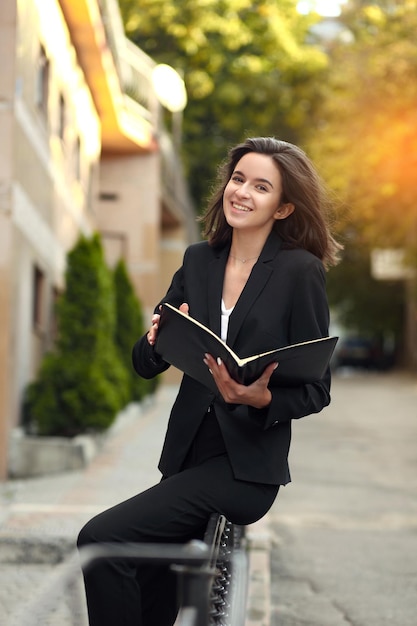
{"x":243,"y":260}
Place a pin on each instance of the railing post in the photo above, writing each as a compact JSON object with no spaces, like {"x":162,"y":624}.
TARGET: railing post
{"x":194,"y":586}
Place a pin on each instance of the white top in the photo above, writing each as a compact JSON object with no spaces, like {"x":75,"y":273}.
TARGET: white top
{"x":225,"y":320}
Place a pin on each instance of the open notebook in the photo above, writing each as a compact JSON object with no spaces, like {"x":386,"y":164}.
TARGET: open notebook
{"x":182,"y":341}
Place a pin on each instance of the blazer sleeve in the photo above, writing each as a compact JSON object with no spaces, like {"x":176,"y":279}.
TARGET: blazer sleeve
{"x":308,"y":319}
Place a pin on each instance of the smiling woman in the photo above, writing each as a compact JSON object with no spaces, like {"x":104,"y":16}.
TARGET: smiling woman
{"x":258,"y":282}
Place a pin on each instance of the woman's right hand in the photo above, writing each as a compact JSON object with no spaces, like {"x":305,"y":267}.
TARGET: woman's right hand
{"x":153,"y":331}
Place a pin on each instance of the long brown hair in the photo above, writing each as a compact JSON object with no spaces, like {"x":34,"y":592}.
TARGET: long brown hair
{"x":307,"y":227}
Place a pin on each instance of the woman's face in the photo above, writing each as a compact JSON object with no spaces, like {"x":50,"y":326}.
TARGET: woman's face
{"x":252,"y":196}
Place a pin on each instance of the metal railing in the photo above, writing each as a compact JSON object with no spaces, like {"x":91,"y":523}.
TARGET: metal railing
{"x":227,"y":594}
{"x":212,"y":578}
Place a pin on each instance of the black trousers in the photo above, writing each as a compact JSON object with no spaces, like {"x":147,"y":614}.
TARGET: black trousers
{"x":174,"y":511}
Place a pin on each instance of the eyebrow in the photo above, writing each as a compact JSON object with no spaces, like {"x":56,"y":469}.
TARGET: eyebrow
{"x":259,"y":180}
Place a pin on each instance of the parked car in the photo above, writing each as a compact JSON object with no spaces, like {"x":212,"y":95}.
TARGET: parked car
{"x":358,"y":352}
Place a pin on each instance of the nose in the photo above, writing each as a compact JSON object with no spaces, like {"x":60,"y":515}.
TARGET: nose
{"x":243,"y":190}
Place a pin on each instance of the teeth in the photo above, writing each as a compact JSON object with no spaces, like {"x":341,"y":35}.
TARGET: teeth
{"x":240,"y":207}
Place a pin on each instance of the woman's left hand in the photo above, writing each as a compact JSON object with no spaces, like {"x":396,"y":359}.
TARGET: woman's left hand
{"x":257,"y":394}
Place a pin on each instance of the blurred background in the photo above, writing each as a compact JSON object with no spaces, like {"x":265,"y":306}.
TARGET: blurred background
{"x":113,"y":119}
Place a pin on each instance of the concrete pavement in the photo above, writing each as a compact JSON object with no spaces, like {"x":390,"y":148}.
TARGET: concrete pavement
{"x":40,"y":519}
{"x":344,"y":532}
{"x":338,"y":547}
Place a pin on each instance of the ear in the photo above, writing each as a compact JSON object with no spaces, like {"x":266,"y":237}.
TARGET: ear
{"x":284,"y":210}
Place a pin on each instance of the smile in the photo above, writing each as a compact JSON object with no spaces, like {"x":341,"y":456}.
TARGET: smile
{"x":240,"y":207}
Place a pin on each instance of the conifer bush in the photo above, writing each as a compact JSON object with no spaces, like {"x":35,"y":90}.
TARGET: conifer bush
{"x":82,"y":384}
{"x":129,"y":327}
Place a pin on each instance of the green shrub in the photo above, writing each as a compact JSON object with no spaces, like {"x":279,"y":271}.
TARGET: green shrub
{"x":83,"y":383}
{"x":71,"y":397}
{"x":129,"y":327}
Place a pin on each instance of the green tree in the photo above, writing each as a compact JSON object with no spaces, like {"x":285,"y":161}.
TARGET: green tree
{"x":374,"y":307}
{"x":246,"y":65}
{"x":129,"y":327}
{"x":82,"y":384}
{"x":364,"y":133}
{"x":363,"y":139}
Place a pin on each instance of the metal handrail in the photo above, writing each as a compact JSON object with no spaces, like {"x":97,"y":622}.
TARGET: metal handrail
{"x":198,"y":564}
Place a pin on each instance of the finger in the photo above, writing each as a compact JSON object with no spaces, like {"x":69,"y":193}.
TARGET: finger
{"x":152,"y":332}
{"x":214,"y":368}
{"x":216,"y":365}
{"x":208,"y":359}
{"x":184,"y":308}
{"x":210,"y":362}
{"x":268,"y":371}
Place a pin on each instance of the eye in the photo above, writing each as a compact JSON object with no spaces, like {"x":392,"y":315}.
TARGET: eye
{"x":262,"y":187}
{"x":237,"y":179}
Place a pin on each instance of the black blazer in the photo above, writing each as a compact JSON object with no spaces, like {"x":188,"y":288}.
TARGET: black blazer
{"x":284,"y":301}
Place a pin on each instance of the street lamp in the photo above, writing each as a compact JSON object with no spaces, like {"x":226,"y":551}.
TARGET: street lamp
{"x":171,"y":93}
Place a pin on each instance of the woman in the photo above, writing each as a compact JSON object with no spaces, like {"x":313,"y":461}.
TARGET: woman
{"x":258,"y":282}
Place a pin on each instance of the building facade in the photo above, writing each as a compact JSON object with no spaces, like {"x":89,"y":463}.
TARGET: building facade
{"x":83,"y":150}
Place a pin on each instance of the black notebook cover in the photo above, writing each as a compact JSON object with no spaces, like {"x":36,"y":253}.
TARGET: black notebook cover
{"x":183,"y":341}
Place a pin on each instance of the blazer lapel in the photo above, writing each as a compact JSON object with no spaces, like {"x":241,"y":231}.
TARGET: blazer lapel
{"x":258,"y":278}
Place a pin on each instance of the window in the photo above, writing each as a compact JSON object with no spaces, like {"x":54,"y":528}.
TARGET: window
{"x":38,"y":298}
{"x":42,"y":82}
{"x":108,"y":196}
{"x":61,"y":117}
{"x":91,"y":180}
{"x":77,"y":159}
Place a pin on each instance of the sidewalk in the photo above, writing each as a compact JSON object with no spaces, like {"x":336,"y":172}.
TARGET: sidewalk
{"x":40,"y":518}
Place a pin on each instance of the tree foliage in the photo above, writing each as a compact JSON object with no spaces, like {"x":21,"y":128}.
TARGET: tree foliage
{"x":82,"y":384}
{"x":364,"y":133}
{"x":247,"y":68}
{"x":129,"y":326}
{"x":364,"y":140}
